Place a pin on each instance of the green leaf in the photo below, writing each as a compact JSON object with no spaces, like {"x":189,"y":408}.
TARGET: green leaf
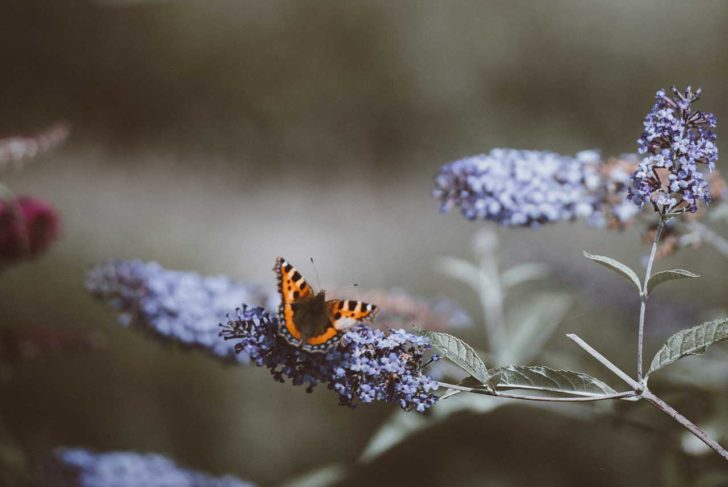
{"x":327,"y":475}
{"x":533,"y":322}
{"x":692,"y":341}
{"x":617,"y":267}
{"x":545,"y":379}
{"x":664,"y":276}
{"x":458,"y":352}
{"x":460,"y":270}
{"x":523,"y":273}
{"x":395,"y":429}
{"x":401,"y":425}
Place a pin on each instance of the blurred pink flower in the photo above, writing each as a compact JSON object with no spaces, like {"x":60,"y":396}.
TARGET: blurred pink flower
{"x":27,"y":227}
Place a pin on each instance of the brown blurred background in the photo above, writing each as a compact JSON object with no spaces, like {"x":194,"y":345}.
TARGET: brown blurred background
{"x":214,"y":135}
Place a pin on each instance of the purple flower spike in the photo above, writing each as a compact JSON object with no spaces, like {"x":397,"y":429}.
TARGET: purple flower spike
{"x":182,"y":307}
{"x":367,"y":365}
{"x":82,"y":468}
{"x":675,"y":141}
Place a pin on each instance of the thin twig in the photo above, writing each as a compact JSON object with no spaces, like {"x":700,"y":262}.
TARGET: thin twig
{"x":643,"y":299}
{"x":689,"y":425}
{"x":605,"y":362}
{"x":720,"y":243}
{"x":643,"y":392}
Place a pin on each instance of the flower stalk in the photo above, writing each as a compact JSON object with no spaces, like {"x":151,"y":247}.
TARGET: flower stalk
{"x":643,"y":299}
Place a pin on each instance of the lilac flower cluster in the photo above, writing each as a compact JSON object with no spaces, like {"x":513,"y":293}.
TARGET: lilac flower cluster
{"x":520,"y":187}
{"x":183,"y":307}
{"x":675,"y":140}
{"x":82,"y":468}
{"x":366,"y":365}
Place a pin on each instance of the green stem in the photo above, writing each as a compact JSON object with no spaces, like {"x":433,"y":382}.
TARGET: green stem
{"x":491,"y":296}
{"x":604,"y":361}
{"x":525,"y":397}
{"x":642,"y":392}
{"x":643,"y":299}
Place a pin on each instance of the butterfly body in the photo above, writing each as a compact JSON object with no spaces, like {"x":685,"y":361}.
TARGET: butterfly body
{"x":311,"y":316}
{"x":308,"y":320}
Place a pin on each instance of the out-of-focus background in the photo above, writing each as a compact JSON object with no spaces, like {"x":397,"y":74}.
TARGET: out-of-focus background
{"x":215,"y":135}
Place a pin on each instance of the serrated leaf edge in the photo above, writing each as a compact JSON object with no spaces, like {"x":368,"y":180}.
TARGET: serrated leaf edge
{"x":565,"y":374}
{"x":655,"y":281}
{"x":719,"y":324}
{"x":458,"y":359}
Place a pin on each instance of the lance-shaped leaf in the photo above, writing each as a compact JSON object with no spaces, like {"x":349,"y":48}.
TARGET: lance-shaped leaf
{"x":458,"y":352}
{"x":461,"y":270}
{"x":533,"y":322}
{"x":617,"y":267}
{"x":692,"y":341}
{"x":327,"y":475}
{"x":664,"y":276}
{"x":523,"y":273}
{"x":395,"y":429}
{"x":550,"y":380}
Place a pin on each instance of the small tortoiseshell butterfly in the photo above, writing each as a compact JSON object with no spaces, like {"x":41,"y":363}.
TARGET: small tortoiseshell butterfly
{"x":308,"y":320}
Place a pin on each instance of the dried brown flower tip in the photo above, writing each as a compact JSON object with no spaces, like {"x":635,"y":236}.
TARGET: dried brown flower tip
{"x":616,"y":177}
{"x":401,"y":309}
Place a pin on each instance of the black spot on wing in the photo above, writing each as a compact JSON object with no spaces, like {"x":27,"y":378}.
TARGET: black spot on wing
{"x":351,"y":305}
{"x":296,"y":276}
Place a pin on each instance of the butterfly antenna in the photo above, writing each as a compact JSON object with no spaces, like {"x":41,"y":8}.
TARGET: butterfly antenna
{"x":318,"y":281}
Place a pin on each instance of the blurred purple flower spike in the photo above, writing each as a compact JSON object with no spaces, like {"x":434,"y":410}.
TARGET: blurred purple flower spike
{"x":82,"y":468}
{"x":181,"y":307}
{"x":521,"y":188}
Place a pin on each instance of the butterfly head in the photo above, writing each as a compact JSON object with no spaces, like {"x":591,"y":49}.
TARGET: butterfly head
{"x":315,"y":302}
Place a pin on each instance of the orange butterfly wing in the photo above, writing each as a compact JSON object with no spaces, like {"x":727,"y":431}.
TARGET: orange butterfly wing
{"x":292,"y":287}
{"x":345,"y":313}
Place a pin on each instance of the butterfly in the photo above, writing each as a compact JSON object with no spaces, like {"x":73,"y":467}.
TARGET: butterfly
{"x":309,"y":321}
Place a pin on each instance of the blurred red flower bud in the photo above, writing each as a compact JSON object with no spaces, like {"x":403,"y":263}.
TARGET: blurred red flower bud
{"x":27,"y":227}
